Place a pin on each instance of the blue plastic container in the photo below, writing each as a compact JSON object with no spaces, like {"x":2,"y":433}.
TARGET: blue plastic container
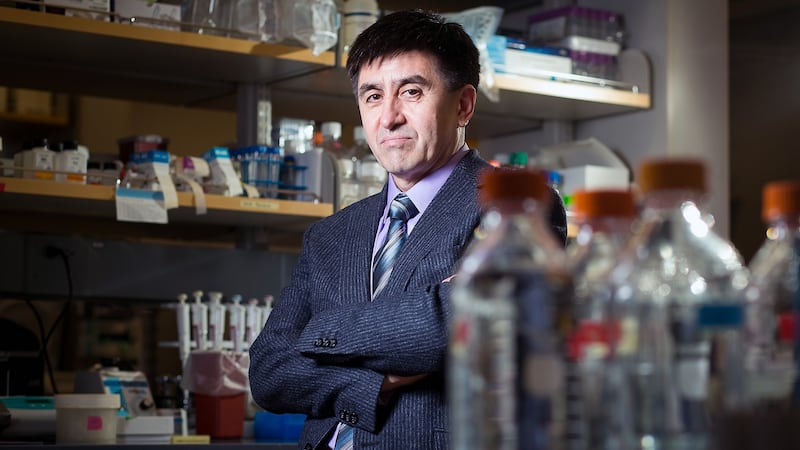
{"x":281,"y":428}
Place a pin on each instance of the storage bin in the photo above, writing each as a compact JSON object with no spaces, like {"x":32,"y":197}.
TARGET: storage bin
{"x":86,"y":418}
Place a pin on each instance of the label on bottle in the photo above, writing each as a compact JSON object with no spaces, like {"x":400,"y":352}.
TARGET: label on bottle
{"x":692,"y":374}
{"x":720,"y":315}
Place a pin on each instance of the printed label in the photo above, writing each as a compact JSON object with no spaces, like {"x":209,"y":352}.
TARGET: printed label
{"x":94,"y":423}
{"x":720,"y":316}
{"x":256,"y":204}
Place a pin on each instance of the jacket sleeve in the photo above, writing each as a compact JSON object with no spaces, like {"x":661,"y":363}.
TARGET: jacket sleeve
{"x":284,"y":381}
{"x":404,"y":335}
{"x":558,"y":218}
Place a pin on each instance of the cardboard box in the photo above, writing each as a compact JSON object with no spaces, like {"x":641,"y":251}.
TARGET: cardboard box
{"x":31,"y":102}
{"x":514,"y":57}
{"x":3,"y":99}
{"x":592,"y":177}
{"x":155,"y":15}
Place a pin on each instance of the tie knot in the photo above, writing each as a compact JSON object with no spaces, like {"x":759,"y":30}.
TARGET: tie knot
{"x":402,"y":208}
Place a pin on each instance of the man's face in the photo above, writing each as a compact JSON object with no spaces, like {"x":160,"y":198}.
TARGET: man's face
{"x":411,"y":121}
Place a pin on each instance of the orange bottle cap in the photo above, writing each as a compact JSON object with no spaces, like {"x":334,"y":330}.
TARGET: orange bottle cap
{"x":513,"y":184}
{"x":672,"y":173}
{"x":780,"y":198}
{"x":594,"y":204}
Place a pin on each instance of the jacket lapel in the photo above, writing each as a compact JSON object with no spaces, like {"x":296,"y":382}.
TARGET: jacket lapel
{"x":357,"y":242}
{"x":449,"y":220}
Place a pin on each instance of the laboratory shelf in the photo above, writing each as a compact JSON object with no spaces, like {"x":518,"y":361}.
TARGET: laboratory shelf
{"x":108,"y":59}
{"x":50,"y":200}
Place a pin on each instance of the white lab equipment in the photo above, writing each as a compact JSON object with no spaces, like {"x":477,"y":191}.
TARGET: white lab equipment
{"x":216,"y":323}
{"x":200,"y":321}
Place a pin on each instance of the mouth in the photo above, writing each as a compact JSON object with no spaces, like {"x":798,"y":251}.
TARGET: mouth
{"x":394,"y":141}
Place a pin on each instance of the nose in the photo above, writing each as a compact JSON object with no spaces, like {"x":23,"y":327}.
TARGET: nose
{"x":392,"y":113}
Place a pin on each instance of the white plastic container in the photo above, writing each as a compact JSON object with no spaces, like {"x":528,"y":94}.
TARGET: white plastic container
{"x":86,"y":418}
{"x":358,"y":16}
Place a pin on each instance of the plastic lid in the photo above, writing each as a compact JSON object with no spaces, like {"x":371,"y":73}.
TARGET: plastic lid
{"x":34,"y":143}
{"x":332,"y":129}
{"x":672,"y":173}
{"x":780,"y":198}
{"x":513,"y":184}
{"x":352,"y":6}
{"x":358,"y":133}
{"x":603,"y":203}
{"x":68,"y":145}
{"x":87,"y":401}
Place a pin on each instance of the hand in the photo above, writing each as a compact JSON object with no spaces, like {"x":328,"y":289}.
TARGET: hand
{"x":392,"y":382}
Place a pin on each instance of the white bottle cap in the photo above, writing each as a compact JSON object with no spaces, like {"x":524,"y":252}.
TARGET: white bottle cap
{"x":358,"y":133}
{"x":332,"y":129}
{"x":360,"y":6}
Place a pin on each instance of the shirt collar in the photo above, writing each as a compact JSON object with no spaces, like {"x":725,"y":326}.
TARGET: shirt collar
{"x":423,"y":192}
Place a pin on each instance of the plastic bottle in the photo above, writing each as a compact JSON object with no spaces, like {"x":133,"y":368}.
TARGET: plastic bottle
{"x":369,"y":172}
{"x":37,"y":159}
{"x":208,"y":16}
{"x":505,"y":363}
{"x":773,"y":297}
{"x":357,"y":16}
{"x":349,"y":184}
{"x":332,"y":138}
{"x":677,"y":300}
{"x":315,"y":23}
{"x":604,"y":219}
{"x":70,"y":163}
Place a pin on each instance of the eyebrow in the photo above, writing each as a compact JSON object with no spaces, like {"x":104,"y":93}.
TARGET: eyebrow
{"x":413,"y":79}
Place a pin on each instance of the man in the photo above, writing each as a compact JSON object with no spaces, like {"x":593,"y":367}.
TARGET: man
{"x":357,"y":343}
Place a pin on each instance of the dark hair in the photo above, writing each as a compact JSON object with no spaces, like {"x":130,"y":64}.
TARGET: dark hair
{"x":406,"y":31}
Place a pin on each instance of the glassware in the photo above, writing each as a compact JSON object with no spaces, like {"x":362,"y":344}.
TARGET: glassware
{"x":773,"y":297}
{"x":506,"y":372}
{"x":604,"y":219}
{"x":678,"y":301}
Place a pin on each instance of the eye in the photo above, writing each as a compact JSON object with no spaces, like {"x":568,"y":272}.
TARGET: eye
{"x":411,"y":92}
{"x":372,"y":97}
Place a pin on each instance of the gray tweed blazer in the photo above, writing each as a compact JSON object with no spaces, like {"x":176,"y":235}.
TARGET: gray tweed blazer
{"x":326,"y":347}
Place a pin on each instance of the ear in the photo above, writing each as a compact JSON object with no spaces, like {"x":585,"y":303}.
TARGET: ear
{"x":466,"y":104}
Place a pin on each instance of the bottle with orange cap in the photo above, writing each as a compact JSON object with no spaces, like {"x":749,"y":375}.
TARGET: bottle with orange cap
{"x":509,"y":318}
{"x":604,"y":218}
{"x":773,"y":300}
{"x":678,"y":297}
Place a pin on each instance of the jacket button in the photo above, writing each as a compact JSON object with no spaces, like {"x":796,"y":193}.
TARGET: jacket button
{"x":317,"y":342}
{"x":343,"y":416}
{"x":354,"y":418}
{"x":326,"y":343}
{"x":333,"y":342}
{"x":307,"y":447}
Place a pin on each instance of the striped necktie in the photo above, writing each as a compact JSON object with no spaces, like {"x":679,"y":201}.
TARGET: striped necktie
{"x":344,"y":441}
{"x":401,"y":211}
